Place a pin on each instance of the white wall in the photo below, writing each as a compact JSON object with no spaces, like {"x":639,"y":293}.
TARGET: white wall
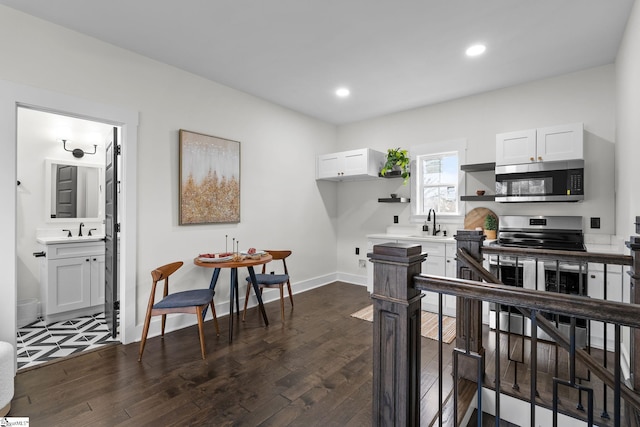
{"x":587,"y":96}
{"x":281,"y":205}
{"x":628,"y":126}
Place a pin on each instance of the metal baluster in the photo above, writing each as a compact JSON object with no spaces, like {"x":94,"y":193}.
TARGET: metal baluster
{"x":534,"y":367}
{"x":497,"y":374}
{"x":604,"y":413}
{"x":440,"y":359}
{"x":617,"y":378}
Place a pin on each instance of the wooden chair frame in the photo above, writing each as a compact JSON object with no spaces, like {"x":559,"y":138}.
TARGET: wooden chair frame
{"x":163,"y":273}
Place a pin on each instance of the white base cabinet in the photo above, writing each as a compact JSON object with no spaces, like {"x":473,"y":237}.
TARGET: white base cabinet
{"x":72,"y":280}
{"x":440,"y":261}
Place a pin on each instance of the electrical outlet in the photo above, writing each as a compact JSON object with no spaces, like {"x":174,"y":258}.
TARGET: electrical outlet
{"x":357,"y":251}
{"x":362,"y":263}
{"x":395,"y":219}
{"x":595,"y":222}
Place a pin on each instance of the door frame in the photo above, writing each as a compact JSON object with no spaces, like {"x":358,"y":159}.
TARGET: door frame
{"x":13,"y":95}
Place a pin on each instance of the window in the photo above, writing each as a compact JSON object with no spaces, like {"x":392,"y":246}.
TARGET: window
{"x":436,"y":180}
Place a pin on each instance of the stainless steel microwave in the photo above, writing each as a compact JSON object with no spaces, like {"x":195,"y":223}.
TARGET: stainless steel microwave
{"x":561,"y":181}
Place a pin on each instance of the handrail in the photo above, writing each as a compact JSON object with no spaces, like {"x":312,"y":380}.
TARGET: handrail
{"x":570,"y":305}
{"x":548,"y":327}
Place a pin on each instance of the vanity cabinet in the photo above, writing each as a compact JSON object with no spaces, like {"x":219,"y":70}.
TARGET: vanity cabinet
{"x":564,"y":142}
{"x":72,"y":280}
{"x":360,"y":164}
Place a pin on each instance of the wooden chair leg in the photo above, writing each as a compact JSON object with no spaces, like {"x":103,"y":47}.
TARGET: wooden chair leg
{"x":143,"y":340}
{"x":164,"y":322}
{"x":290,"y":294}
{"x":281,"y":303}
{"x":201,"y":331}
{"x":246,"y":300}
{"x":215,"y":318}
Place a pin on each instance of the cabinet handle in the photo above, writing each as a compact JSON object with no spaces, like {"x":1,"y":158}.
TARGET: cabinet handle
{"x":593,"y":276}
{"x":39,"y":254}
{"x":540,"y":158}
{"x":94,"y":259}
{"x":87,"y":259}
{"x":531,"y":158}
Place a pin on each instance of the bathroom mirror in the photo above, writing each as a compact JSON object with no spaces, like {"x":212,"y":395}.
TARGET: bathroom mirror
{"x":73,"y":191}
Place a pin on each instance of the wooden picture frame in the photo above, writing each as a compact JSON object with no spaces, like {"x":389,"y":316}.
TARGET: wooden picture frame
{"x":209,"y":179}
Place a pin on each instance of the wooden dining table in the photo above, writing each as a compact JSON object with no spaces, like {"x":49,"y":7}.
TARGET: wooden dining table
{"x":246,"y":262}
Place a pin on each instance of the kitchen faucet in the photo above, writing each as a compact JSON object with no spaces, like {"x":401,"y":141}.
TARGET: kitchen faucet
{"x":434,"y":231}
{"x":80,"y":229}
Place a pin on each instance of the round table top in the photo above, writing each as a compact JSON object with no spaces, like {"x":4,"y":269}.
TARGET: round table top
{"x":247,"y":262}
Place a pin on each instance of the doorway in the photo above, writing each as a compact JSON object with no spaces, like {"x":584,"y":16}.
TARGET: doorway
{"x":61,"y":302}
{"x":15,"y":95}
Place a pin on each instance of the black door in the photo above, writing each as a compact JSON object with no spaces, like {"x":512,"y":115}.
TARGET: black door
{"x":111,"y":228}
{"x":66,"y":195}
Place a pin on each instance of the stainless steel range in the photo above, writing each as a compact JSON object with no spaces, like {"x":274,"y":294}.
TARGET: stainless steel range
{"x":539,"y":232}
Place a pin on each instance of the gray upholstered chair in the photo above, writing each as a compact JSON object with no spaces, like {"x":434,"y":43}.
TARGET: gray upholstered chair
{"x":192,"y":301}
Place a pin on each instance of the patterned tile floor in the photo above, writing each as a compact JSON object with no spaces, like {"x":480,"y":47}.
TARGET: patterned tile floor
{"x":39,"y":342}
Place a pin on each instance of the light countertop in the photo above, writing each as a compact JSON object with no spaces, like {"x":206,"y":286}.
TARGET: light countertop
{"x":413,"y":237}
{"x":50,"y":240}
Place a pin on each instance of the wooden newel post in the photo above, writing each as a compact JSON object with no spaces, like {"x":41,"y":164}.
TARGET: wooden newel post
{"x":472,"y":241}
{"x":396,"y":334}
{"x":634,"y":272}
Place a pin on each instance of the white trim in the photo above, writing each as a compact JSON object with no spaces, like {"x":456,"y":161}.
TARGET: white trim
{"x":14,"y":95}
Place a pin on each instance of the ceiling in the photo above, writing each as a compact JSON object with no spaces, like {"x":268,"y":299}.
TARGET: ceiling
{"x":393,"y":55}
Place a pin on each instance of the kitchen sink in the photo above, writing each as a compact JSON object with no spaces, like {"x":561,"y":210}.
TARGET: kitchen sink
{"x":430,"y":237}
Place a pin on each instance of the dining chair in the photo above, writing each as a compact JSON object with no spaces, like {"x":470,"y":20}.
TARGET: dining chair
{"x":191,"y":301}
{"x":272,"y":281}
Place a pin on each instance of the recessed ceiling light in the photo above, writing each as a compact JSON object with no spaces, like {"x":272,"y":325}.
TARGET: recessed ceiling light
{"x":476,"y":49}
{"x":342,"y":92}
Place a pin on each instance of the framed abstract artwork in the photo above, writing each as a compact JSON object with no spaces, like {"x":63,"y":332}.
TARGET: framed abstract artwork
{"x":209,"y":179}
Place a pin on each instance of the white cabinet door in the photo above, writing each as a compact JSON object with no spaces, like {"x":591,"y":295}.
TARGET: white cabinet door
{"x":355,"y":162}
{"x":595,"y":289}
{"x":69,"y":284}
{"x":563,"y":142}
{"x":516,"y":147}
{"x":328,"y":166}
{"x":97,"y":280}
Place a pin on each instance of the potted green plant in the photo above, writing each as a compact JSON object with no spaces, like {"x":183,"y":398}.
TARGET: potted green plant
{"x":490,"y":227}
{"x":397,"y":159}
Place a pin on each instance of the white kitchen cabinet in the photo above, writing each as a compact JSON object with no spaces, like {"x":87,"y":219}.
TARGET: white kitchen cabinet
{"x":595,"y":289}
{"x":436,"y":264}
{"x":563,"y":142}
{"x":440,"y":261}
{"x":72,"y":280}
{"x":364,"y":163}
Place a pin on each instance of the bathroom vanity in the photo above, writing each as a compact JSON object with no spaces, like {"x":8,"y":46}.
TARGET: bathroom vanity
{"x":71,"y":276}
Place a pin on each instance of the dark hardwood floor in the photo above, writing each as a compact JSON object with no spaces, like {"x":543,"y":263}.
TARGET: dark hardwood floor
{"x":313,"y":370}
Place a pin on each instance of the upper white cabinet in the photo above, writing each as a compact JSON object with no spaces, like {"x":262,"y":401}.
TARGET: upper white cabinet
{"x":364,"y":163}
{"x":564,"y":142}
